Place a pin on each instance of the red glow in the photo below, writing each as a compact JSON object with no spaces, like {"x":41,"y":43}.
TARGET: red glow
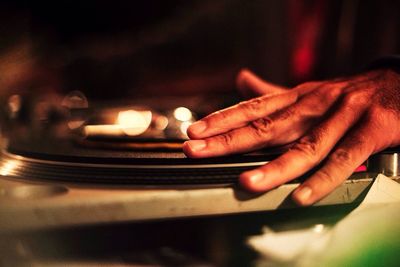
{"x":361,"y":168}
{"x":306,"y":22}
{"x":303,"y":61}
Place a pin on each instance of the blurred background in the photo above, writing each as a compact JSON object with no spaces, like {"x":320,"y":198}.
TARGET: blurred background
{"x":135,"y":49}
{"x":167,"y":54}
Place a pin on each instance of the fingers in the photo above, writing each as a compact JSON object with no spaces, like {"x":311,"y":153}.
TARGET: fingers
{"x":239,"y":140}
{"x":270,"y":120}
{"x":251,"y":85}
{"x":339,"y":166}
{"x":307,"y":153}
{"x":281,"y":128}
{"x":239,"y":115}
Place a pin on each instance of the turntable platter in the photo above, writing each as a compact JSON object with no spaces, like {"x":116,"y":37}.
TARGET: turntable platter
{"x":62,"y":160}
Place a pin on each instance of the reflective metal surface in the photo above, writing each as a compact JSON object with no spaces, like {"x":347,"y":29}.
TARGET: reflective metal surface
{"x":385,"y":163}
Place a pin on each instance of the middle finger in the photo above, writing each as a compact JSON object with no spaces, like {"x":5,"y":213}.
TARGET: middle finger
{"x":282,"y":128}
{"x":308,"y":152}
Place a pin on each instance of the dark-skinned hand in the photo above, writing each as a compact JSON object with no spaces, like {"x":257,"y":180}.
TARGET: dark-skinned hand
{"x":338,"y":123}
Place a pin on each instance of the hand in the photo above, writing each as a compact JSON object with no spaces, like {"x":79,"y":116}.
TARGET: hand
{"x":339,"y":122}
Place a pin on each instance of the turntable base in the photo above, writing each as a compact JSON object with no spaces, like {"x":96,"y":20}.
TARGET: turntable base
{"x":43,"y":186}
{"x":42,"y":205}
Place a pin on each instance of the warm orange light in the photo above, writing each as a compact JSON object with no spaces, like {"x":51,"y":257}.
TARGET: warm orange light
{"x":161,"y":123}
{"x":182,"y":114}
{"x":8,"y":167}
{"x":102,"y":130}
{"x":133,"y":122}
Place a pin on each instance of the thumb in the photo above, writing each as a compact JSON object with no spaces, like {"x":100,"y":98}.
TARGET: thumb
{"x":250,"y":85}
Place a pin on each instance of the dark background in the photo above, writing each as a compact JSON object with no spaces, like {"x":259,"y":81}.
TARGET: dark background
{"x":115,"y":49}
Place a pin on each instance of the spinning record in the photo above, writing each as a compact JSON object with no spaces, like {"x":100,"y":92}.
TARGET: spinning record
{"x":67,"y":161}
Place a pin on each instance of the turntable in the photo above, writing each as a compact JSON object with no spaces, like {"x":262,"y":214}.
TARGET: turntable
{"x":99,"y":175}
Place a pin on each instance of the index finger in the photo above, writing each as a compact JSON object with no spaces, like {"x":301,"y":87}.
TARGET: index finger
{"x":239,"y":115}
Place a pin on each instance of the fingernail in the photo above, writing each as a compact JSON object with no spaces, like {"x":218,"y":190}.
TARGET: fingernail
{"x":303,"y":194}
{"x":255,"y":176}
{"x":198,"y":127}
{"x":197,"y":145}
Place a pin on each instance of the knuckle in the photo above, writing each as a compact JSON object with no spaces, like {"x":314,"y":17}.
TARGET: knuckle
{"x":252,"y":107}
{"x":317,"y":93}
{"x":342,"y":157}
{"x":355,"y":98}
{"x":226,"y":140}
{"x":318,"y":100}
{"x":381,"y":117}
{"x":261,"y":127}
{"x":377,"y":116}
{"x":308,"y":146}
{"x":287,"y":113}
{"x":335,"y":91}
{"x":342,"y":85}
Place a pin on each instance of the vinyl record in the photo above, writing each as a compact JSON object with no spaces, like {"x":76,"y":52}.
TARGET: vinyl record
{"x":65,"y":161}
